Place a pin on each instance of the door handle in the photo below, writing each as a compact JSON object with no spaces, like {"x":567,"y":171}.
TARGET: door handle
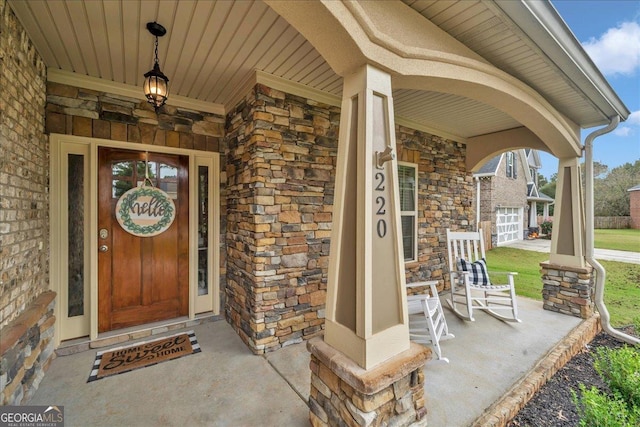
{"x":103,"y":248}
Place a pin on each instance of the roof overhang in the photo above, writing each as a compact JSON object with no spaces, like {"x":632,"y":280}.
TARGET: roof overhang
{"x":466,"y":71}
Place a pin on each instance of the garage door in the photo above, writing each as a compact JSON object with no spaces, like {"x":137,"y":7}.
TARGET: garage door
{"x":508,"y":222}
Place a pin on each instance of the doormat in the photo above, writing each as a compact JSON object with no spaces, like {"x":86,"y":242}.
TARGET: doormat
{"x":139,"y":355}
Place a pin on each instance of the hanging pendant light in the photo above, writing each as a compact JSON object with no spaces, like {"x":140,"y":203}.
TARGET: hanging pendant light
{"x":156,"y":84}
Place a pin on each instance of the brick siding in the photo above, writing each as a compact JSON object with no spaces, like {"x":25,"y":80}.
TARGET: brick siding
{"x":634,"y":208}
{"x":500,"y":190}
{"x":26,"y":309}
{"x":24,"y":171}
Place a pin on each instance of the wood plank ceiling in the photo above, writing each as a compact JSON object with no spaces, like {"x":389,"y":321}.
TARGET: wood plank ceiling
{"x":212,"y":47}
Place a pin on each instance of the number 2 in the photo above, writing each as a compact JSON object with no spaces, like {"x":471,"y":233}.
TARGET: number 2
{"x":380,"y":186}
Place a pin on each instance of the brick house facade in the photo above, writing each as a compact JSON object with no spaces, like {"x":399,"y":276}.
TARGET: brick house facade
{"x":634,"y":206}
{"x":503,"y":193}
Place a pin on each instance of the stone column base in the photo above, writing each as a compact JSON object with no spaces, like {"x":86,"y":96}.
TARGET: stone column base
{"x":343,"y":393}
{"x":26,"y":350}
{"x":568,"y":290}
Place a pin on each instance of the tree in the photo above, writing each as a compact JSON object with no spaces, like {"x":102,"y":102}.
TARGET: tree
{"x":542,"y":180}
{"x":549,"y":189}
{"x":611,"y":197}
{"x":599,"y":171}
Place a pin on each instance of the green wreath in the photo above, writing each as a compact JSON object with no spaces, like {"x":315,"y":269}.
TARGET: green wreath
{"x":124,"y":216}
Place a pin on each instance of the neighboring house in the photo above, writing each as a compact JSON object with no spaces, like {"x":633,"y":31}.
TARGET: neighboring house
{"x":507,"y":193}
{"x":266,"y":206}
{"x":634,"y":206}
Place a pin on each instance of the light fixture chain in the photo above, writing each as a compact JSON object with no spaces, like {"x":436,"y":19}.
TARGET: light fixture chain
{"x":156,"y":50}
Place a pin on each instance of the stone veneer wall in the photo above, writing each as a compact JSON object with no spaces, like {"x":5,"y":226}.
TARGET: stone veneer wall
{"x":568,"y":290}
{"x":281,"y":173}
{"x":343,"y":394}
{"x":26,"y":347}
{"x":445,"y":199}
{"x":84,"y":112}
{"x":25,"y":330}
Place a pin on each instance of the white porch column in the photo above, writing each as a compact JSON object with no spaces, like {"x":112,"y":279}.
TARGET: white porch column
{"x":545,"y":211}
{"x":533,"y":214}
{"x":567,"y":237}
{"x":366,"y":304}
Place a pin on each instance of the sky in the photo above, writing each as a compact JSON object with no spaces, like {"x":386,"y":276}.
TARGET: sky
{"x":609,"y":30}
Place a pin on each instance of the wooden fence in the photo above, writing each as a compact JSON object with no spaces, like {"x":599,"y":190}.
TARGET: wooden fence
{"x":612,"y":222}
{"x":486,"y":234}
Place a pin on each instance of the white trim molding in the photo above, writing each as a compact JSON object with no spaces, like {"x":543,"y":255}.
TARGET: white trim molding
{"x":87,"y":82}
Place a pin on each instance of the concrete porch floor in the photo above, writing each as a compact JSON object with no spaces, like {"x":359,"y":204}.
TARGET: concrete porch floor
{"x":226,"y":385}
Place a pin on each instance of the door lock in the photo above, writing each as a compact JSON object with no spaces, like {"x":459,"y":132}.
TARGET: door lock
{"x":103,"y":248}
{"x":104,"y":233}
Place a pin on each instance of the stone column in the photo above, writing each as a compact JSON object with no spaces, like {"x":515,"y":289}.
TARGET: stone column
{"x":342,"y":393}
{"x":568,"y":290}
{"x":366,"y":369}
{"x":568,"y":280}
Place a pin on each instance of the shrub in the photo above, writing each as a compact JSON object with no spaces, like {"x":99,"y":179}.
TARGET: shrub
{"x":596,"y":409}
{"x":620,"y":369}
{"x":546,"y":226}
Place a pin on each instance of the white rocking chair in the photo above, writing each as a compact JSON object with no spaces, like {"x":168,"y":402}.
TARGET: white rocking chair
{"x":471,"y":288}
{"x":427,"y":324}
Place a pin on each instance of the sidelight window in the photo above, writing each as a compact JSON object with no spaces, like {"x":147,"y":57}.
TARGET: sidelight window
{"x":407,"y":180}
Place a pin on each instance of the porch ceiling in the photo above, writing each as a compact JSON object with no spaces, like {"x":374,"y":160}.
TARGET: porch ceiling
{"x":213,"y":47}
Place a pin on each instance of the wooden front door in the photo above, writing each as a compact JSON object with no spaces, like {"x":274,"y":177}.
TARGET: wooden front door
{"x":141,"y":279}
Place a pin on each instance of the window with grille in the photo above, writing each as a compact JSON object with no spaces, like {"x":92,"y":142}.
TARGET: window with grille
{"x":408,"y":184}
{"x":512,"y":171}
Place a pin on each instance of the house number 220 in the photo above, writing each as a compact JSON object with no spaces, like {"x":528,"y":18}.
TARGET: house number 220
{"x":381,"y":225}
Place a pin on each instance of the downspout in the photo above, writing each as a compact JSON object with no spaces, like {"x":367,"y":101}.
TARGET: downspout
{"x":589,"y":237}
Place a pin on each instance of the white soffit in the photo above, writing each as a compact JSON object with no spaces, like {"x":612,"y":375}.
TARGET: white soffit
{"x":213,"y":49}
{"x":526,"y":50}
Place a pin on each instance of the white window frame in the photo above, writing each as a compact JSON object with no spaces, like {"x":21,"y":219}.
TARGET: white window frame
{"x":412,"y":213}
{"x":512,"y":168}
{"x":509,"y":159}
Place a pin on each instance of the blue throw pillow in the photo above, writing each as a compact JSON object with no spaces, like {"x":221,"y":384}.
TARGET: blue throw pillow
{"x":478,"y":270}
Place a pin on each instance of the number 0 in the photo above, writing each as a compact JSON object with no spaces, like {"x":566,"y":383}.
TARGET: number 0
{"x":381,"y":228}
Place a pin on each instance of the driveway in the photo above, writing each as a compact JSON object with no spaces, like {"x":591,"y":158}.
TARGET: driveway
{"x":543,"y":245}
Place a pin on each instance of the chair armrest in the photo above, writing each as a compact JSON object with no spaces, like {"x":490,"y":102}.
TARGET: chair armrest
{"x":432,"y":284}
{"x":422,"y":284}
{"x":460,"y":273}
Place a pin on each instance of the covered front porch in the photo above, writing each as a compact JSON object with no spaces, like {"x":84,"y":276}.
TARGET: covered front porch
{"x":297,"y":121}
{"x":485,"y":380}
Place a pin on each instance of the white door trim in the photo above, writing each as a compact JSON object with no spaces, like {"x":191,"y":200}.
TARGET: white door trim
{"x":61,"y":146}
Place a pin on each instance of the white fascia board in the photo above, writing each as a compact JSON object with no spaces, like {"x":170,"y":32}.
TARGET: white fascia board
{"x":540,"y":21}
{"x":484,"y":175}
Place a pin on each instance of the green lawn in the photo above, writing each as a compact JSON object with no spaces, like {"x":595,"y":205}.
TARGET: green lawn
{"x":622,"y":240}
{"x":622,"y":286}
